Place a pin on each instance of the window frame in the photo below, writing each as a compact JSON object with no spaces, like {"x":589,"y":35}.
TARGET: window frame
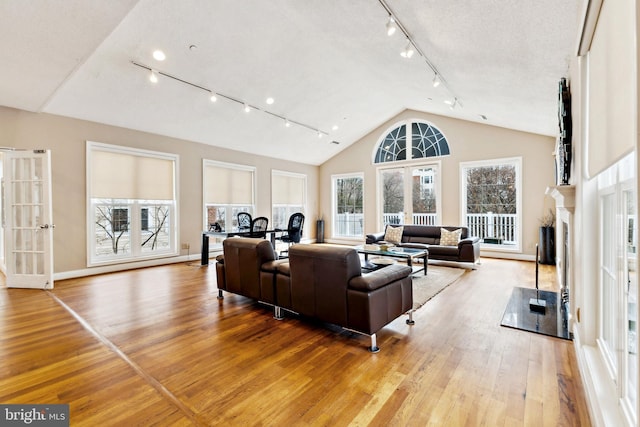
{"x":517,"y":163}
{"x":334,"y":207}
{"x":409,"y":135}
{"x":134,"y":207}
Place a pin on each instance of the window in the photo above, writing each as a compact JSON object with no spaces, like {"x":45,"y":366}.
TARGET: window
{"x":132,"y":203}
{"x":228,"y":190}
{"x":617,"y":282}
{"x":491,"y":201}
{"x":426,"y":141}
{"x":288,"y":195}
{"x":348,"y":212}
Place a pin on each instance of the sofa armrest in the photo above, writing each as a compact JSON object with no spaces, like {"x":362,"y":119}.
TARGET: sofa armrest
{"x":379,"y":278}
{"x":272,"y":266}
{"x":468,"y":241}
{"x":375,"y":237}
{"x":220,"y":258}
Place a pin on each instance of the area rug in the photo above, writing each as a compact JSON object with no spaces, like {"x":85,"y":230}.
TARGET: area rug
{"x":552,"y":321}
{"x":436,"y":280}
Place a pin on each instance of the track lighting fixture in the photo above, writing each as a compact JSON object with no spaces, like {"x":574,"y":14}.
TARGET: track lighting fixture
{"x":408,"y":50}
{"x":391,"y":26}
{"x":213,"y":96}
{"x":411,"y":48}
{"x":452,"y":103}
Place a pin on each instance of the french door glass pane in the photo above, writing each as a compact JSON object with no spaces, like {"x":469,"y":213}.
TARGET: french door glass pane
{"x":423,"y":194}
{"x":392,"y":196}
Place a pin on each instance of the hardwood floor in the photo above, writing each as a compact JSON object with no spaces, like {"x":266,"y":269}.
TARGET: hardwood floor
{"x":155,"y":347}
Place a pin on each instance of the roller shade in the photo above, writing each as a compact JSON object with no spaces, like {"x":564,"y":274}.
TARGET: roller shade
{"x":611,"y":80}
{"x":287,"y":190}
{"x":117,"y":175}
{"x":228,"y":185}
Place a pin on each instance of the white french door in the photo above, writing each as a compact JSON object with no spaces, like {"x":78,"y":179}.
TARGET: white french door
{"x":410,"y":195}
{"x":28,"y":228}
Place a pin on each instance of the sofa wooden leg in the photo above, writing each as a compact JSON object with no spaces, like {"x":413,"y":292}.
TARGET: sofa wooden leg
{"x":374,"y":346}
{"x":410,"y":320}
{"x":220,"y":294}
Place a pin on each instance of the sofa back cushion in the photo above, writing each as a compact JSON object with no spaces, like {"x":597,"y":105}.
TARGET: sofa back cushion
{"x":319,"y":278}
{"x":428,"y":234}
{"x":243,"y":258}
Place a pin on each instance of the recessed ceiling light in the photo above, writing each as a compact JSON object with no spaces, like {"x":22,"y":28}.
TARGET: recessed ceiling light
{"x":270,"y":100}
{"x":159,"y":55}
{"x":335,"y":127}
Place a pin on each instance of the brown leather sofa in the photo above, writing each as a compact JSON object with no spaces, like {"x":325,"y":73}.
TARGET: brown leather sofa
{"x":321,"y":282}
{"x":428,"y":237}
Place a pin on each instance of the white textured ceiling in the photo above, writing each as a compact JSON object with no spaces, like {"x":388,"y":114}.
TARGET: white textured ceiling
{"x":325,"y":62}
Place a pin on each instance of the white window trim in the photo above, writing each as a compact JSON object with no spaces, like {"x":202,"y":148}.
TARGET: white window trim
{"x":346,"y":239}
{"x":517,"y":161}
{"x":175,"y":217}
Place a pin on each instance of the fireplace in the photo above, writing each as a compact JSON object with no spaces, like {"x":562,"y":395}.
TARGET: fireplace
{"x":564,"y":196}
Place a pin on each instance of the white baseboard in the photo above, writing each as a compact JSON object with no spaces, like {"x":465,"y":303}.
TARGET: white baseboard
{"x":124,"y":266}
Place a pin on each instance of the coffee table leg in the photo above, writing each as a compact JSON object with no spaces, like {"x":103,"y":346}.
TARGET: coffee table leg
{"x":425,"y":262}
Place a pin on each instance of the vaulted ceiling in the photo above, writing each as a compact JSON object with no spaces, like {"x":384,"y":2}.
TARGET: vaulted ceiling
{"x":329,"y":66}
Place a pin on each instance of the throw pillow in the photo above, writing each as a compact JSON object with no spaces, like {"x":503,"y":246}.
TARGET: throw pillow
{"x":450,"y":238}
{"x":393,"y":234}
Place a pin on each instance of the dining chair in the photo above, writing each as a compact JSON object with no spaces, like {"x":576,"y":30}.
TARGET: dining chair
{"x":294,"y":231}
{"x":259,"y":227}
{"x":244,"y":221}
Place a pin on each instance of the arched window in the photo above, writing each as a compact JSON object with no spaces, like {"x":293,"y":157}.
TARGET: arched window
{"x":426,"y":141}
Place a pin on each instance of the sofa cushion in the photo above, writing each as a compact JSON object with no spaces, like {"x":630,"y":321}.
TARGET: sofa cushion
{"x":393,"y":234}
{"x":450,"y":238}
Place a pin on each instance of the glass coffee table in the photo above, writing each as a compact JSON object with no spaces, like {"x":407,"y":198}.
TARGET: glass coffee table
{"x":407,"y":254}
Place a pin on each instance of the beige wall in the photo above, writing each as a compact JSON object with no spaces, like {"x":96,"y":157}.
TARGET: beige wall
{"x":468,"y":141}
{"x":66,"y":139}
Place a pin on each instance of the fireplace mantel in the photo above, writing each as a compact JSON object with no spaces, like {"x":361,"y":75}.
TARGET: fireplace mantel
{"x":564,"y":195}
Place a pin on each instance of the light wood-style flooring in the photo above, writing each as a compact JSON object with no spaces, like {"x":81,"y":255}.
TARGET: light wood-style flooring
{"x":155,"y":347}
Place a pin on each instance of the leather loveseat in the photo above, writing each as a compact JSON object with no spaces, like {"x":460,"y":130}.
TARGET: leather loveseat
{"x":321,"y":282}
{"x":467,"y":249}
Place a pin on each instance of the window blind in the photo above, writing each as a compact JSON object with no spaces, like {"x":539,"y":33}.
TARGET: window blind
{"x":116,"y":175}
{"x":228,"y":185}
{"x":287,"y":189}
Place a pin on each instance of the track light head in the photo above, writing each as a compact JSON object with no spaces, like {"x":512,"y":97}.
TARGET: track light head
{"x":247,"y":108}
{"x":213,"y":97}
{"x":408,"y":50}
{"x":436,"y":80}
{"x":391,"y":26}
{"x":153,"y":76}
